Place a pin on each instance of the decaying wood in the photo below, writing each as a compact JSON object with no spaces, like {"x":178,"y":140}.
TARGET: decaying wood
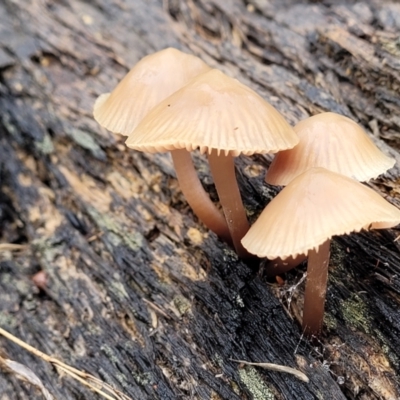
{"x":133,"y":289}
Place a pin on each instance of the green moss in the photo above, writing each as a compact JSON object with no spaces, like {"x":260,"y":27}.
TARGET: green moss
{"x":386,"y":349}
{"x":255,"y":384}
{"x":355,"y":313}
{"x":329,"y":321}
{"x":337,"y":262}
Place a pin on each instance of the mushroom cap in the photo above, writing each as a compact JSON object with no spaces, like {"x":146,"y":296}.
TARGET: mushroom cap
{"x":330,"y":141}
{"x":150,"y":81}
{"x":315,"y":206}
{"x":214,"y":112}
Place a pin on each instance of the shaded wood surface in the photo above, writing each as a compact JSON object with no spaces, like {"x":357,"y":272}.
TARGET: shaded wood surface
{"x":138,"y":293}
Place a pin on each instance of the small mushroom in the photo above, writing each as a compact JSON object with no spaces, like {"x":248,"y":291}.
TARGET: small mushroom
{"x":220,"y":116}
{"x":302,"y":219}
{"x":332,"y":141}
{"x":150,"y":81}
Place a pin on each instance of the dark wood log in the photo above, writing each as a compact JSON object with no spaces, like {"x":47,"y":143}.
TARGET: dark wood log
{"x":138,"y":293}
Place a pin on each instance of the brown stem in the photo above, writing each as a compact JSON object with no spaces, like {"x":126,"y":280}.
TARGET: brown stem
{"x":223,"y":172}
{"x":197,"y":197}
{"x":314,"y":297}
{"x":279,"y":266}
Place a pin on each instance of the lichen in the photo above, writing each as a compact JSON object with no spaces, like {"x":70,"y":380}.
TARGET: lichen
{"x":6,"y":278}
{"x":117,"y":234}
{"x":182,"y":304}
{"x":46,"y":145}
{"x":110,"y":353}
{"x":229,"y":255}
{"x":86,"y":141}
{"x":392,"y":46}
{"x":118,"y":289}
{"x":143,"y":379}
{"x":218,"y":360}
{"x":47,"y":250}
{"x":5,"y":118}
{"x":7,"y":321}
{"x":239,"y":301}
{"x":254,"y":383}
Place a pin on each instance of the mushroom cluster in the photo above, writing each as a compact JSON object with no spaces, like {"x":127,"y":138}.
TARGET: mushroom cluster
{"x":204,"y":109}
{"x":172,"y":101}
{"x":323,"y":198}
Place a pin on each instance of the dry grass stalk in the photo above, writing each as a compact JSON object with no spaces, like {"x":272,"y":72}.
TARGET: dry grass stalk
{"x":276,"y":367}
{"x":86,"y":379}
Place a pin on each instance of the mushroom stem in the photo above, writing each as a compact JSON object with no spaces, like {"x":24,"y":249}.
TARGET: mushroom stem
{"x":279,"y":266}
{"x":223,"y":172}
{"x":314,"y":297}
{"x":197,"y":197}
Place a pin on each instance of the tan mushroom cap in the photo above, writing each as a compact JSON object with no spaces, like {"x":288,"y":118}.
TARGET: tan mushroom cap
{"x":214,"y":112}
{"x":330,"y":141}
{"x":150,"y":81}
{"x":315,"y":206}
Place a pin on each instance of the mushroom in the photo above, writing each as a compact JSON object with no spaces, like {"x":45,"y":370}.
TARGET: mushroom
{"x":302,"y":219}
{"x":150,"y":81}
{"x":220,"y":116}
{"x":330,"y":141}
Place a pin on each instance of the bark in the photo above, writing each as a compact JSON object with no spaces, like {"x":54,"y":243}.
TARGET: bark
{"x":138,"y":292}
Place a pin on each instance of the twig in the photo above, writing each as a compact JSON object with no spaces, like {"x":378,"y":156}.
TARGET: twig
{"x":298,"y":343}
{"x":276,"y":367}
{"x":157,"y":308}
{"x":86,"y":379}
{"x":12,"y":247}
